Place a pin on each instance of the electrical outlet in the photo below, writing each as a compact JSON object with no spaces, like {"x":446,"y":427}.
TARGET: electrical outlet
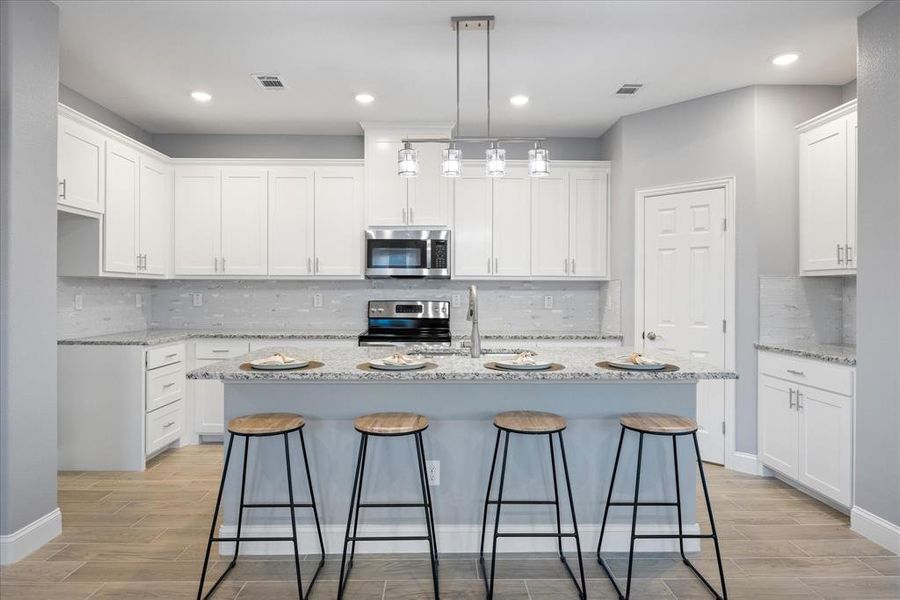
{"x":197,"y":299}
{"x":317,"y":300}
{"x":138,"y":301}
{"x":79,"y":301}
{"x":455,"y":301}
{"x":608,"y":302}
{"x":433,"y":469}
{"x":548,"y":302}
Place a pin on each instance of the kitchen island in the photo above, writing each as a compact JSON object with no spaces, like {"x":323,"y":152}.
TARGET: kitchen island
{"x":460,"y":397}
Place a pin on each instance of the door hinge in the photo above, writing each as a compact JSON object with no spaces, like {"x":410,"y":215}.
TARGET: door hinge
{"x":723,"y":427}
{"x":724,"y":224}
{"x":724,"y":326}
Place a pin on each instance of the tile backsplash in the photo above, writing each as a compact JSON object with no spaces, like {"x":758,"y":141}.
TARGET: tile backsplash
{"x":518,"y":306}
{"x":807,"y":309}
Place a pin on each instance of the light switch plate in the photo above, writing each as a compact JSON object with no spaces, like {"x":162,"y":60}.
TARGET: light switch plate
{"x":455,"y":301}
{"x":138,"y":301}
{"x":317,"y":300}
{"x":79,"y":301}
{"x":548,"y":302}
{"x":197,"y":299}
{"x":433,"y":468}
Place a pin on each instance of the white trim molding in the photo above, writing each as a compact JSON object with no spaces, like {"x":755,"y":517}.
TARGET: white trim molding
{"x":745,"y":462}
{"x":729,"y":185}
{"x":454,"y":539}
{"x":19,"y":544}
{"x":882,"y":532}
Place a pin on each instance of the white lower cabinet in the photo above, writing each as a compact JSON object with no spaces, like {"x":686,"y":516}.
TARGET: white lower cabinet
{"x":806,"y":422}
{"x":209,"y":396}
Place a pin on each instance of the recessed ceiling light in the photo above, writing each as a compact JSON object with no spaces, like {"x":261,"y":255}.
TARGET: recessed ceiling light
{"x":365,"y":98}
{"x":519,"y":100}
{"x":201,"y":96}
{"x":785,"y":59}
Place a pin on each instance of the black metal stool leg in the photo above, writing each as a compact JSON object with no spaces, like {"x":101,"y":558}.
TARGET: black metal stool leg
{"x":212,"y":528}
{"x":312,"y":501}
{"x":432,"y":547}
{"x":487,"y":496}
{"x":342,"y":580}
{"x":420,"y":451}
{"x":290,"y":484}
{"x":678,"y":499}
{"x":637,"y":488}
{"x":562,"y":451}
{"x":362,"y":473}
{"x":237,"y":543}
{"x":490,"y":592}
{"x":712,"y":524}
{"x":556,"y":499}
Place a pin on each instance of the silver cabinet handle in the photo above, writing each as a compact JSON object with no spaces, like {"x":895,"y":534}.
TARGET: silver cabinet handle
{"x":138,"y":262}
{"x":168,"y":385}
{"x":411,"y":217}
{"x":223,"y":264}
{"x":573,"y":266}
{"x":317,"y":264}
{"x":489,"y":264}
{"x":219,"y":351}
{"x":566,"y":265}
{"x":216,"y":263}
{"x":793,"y":372}
{"x":173,"y":355}
{"x":840,"y":256}
{"x":169,"y":424}
{"x":496,"y":266}
{"x":63,"y":184}
{"x":404,"y":215}
{"x":791,"y":398}
{"x":799,"y":397}
{"x":309,"y":264}
{"x":847,"y":255}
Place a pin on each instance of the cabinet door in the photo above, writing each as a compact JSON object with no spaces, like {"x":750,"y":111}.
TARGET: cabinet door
{"x":826,"y":443}
{"x":823,"y":197}
{"x":429,"y":194}
{"x":197,"y":220}
{"x":291,"y":221}
{"x":589,"y":216}
{"x":209,"y":404}
{"x":120,"y":219}
{"x":550,"y":224}
{"x":385,"y":190}
{"x":80,"y":166}
{"x":512,"y":224}
{"x":338,"y":229}
{"x":852,"y":132}
{"x":155,"y":223}
{"x":472,"y":216}
{"x":778,"y":447}
{"x":245,"y":224}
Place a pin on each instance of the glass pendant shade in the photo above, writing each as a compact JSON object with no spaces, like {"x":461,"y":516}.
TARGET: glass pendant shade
{"x":495,"y":161}
{"x":408,"y":161}
{"x":538,"y":162}
{"x":451,"y":161}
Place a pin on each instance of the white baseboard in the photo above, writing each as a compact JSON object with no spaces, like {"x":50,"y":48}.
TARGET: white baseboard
{"x":453,"y":539}
{"x":882,"y":532}
{"x":744,"y":462}
{"x":19,"y":544}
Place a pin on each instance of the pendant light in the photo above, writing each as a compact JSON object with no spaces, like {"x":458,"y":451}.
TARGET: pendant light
{"x":538,"y":161}
{"x":495,"y":161}
{"x":451,"y":161}
{"x":408,"y":161}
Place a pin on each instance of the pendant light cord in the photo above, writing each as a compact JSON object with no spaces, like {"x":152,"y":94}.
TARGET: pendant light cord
{"x":458,"y":133}
{"x":488,"y":27}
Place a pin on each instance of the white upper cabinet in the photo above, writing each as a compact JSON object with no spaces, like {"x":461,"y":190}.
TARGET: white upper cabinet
{"x":472,"y":222}
{"x":827,"y":171}
{"x":386,"y":200}
{"x":120,"y":223}
{"x":550,"y":224}
{"x":244,"y":221}
{"x":291,"y":221}
{"x":198,"y":192}
{"x":511,"y":224}
{"x":428,"y":195}
{"x":154,"y":217}
{"x":338,"y":224}
{"x":80,"y":166}
{"x":589,"y":218}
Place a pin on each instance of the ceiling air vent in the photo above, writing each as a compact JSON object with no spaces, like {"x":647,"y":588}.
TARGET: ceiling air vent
{"x":269,"y":82}
{"x":629,"y":89}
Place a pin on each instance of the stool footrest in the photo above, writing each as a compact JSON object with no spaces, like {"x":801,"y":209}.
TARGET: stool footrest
{"x":277,"y":505}
{"x":523,"y":534}
{"x":644,"y":504}
{"x":538,"y":502}
{"x":675,"y":536}
{"x":391,"y":505}
{"x":252,"y":539}
{"x":387,"y":538}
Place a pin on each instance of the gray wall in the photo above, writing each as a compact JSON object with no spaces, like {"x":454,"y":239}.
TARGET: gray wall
{"x":848,"y":91}
{"x":85,"y":105}
{"x":30,"y":55}
{"x":878,"y":275}
{"x":746,"y":133}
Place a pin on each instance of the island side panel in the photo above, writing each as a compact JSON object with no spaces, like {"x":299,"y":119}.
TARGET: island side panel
{"x":461,"y":436}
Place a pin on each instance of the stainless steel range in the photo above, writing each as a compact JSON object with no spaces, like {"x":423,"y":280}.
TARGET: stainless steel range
{"x":407,"y":323}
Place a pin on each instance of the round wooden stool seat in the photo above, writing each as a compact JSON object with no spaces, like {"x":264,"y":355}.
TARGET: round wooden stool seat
{"x":391,"y":423}
{"x":658,"y":423}
{"x":266,"y":424}
{"x":529,"y":421}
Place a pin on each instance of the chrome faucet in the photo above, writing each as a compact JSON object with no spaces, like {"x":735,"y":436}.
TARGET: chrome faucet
{"x":472,"y":315}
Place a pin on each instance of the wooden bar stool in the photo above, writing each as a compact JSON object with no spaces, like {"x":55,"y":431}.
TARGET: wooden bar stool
{"x":526,"y":422}
{"x":388,"y":424}
{"x":264,"y":425}
{"x":665,"y":425}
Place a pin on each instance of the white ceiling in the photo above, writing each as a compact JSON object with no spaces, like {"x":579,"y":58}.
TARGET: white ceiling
{"x":141,"y":58}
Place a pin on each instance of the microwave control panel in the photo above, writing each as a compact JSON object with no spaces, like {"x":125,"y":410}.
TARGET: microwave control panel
{"x":439,"y":254}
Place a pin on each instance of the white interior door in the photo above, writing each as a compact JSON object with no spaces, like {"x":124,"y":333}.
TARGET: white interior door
{"x":684,"y":295}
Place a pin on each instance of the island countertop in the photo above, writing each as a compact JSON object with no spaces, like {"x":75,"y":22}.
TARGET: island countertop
{"x":340,"y":365}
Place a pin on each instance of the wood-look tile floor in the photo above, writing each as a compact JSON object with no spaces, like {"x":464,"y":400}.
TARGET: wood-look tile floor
{"x":142,"y":535}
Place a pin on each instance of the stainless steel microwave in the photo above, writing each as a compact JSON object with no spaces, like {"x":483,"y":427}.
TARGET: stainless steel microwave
{"x":414,"y":253}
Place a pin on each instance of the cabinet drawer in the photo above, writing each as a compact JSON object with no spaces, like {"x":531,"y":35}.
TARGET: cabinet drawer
{"x":165,"y":385}
{"x":815,"y":373}
{"x":164,"y":426}
{"x":166,"y":355}
{"x":220,"y":349}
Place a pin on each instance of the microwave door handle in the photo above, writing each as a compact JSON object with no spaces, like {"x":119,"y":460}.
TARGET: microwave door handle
{"x":428,"y":263}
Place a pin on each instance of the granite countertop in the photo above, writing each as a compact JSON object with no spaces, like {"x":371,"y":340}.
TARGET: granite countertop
{"x":153,"y":337}
{"x":837,"y":353}
{"x":340,"y":366}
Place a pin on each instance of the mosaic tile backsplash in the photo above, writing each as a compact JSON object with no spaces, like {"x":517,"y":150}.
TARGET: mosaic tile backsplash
{"x":589,"y":307}
{"x":807,"y":309}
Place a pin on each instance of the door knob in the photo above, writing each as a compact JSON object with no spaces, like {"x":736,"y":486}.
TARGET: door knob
{"x":651,"y":336}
